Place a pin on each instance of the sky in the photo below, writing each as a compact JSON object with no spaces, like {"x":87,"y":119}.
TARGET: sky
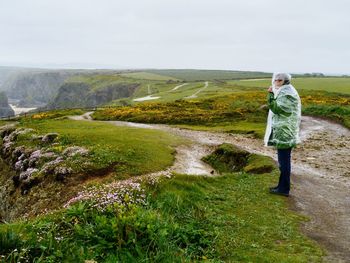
{"x":265,"y":35}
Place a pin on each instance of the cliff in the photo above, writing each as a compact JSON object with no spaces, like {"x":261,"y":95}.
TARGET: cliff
{"x":34,"y":88}
{"x":5,"y":108}
{"x":91,"y":91}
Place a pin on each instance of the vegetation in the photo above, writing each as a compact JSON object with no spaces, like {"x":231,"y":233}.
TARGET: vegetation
{"x":54,"y":114}
{"x":136,"y":151}
{"x":195,"y":75}
{"x":241,"y":110}
{"x":108,"y":153}
{"x":335,"y":84}
{"x":184,"y":219}
{"x":333,"y":106}
{"x":147,"y":76}
{"x":229,"y":158}
{"x":220,"y":111}
{"x":108,"y":214}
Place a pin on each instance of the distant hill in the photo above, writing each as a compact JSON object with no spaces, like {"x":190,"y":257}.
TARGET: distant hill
{"x":197,"y":75}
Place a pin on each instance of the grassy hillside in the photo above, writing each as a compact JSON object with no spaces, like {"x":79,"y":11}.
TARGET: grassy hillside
{"x":148,"y":76}
{"x":111,"y":153}
{"x":195,"y":75}
{"x":340,"y":85}
{"x":237,"y":112}
{"x":230,"y":218}
{"x":108,"y":144}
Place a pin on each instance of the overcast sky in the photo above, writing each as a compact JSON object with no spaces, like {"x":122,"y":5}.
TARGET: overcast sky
{"x":265,"y":35}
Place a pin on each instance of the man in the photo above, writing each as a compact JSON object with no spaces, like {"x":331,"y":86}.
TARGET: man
{"x":282,"y":129}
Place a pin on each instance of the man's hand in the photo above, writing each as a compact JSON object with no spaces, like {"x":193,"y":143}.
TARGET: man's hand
{"x":270,"y":89}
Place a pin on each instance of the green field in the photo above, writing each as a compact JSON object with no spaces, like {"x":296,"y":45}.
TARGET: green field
{"x":147,"y":76}
{"x":202,"y":75}
{"x":230,"y":218}
{"x":341,"y":85}
{"x":109,"y":144}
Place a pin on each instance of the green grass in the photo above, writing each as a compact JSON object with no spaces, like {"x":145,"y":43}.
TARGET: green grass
{"x":137,"y":151}
{"x":195,"y":75}
{"x":257,"y":129}
{"x":340,"y":85}
{"x":147,"y":76}
{"x":100,"y":81}
{"x":230,"y":218}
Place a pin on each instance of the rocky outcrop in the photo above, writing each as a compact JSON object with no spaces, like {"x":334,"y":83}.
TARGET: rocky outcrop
{"x":82,"y":94}
{"x":5,"y":108}
{"x":34,"y":164}
{"x":34,"y":88}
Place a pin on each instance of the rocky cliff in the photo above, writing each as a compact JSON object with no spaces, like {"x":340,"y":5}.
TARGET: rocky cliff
{"x":5,"y":108}
{"x":37,"y":87}
{"x":34,"y":88}
{"x":85,"y":94}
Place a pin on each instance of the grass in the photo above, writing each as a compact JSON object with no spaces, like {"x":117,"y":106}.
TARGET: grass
{"x":230,"y":218}
{"x":225,"y":107}
{"x":229,"y":158}
{"x":147,"y":76}
{"x":137,"y":151}
{"x":228,"y":111}
{"x":257,"y":129}
{"x":115,"y":153}
{"x":195,"y":75}
{"x":339,"y":85}
{"x":54,"y":114}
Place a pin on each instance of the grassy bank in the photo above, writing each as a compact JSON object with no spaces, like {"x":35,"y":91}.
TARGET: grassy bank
{"x":230,"y":218}
{"x":111,"y":153}
{"x":136,"y":151}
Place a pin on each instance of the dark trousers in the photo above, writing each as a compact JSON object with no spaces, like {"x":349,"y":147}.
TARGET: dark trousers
{"x":284,"y":161}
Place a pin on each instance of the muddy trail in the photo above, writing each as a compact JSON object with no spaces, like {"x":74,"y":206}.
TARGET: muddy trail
{"x":320,"y":174}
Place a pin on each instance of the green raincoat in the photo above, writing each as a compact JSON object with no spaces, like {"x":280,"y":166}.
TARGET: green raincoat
{"x":284,"y":117}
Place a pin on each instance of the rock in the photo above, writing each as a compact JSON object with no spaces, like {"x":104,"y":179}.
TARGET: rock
{"x":27,"y":174}
{"x":19,"y":166}
{"x":17,"y":152}
{"x":61,"y":172}
{"x":50,"y":137}
{"x":28,"y":184}
{"x":6,"y":130}
{"x":35,"y":88}
{"x":5,"y":108}
{"x":74,"y":150}
{"x":37,"y":155}
{"x":6,"y":148}
{"x":83,"y":94}
{"x":48,"y":168}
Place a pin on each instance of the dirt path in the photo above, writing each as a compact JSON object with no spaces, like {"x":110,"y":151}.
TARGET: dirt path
{"x":194,"y":95}
{"x":320,"y":174}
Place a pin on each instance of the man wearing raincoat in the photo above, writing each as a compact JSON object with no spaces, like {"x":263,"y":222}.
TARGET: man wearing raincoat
{"x":282,"y":130}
